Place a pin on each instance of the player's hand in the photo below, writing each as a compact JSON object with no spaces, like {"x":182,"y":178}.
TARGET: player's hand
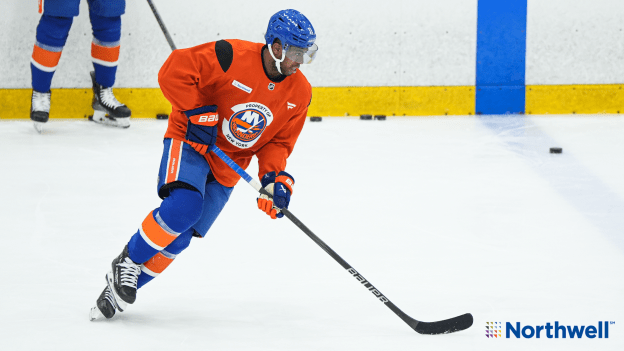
{"x":201,"y":129}
{"x":280,"y":187}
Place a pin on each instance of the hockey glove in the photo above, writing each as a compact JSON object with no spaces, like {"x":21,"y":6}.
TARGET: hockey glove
{"x":281,"y":189}
{"x":201,"y":130}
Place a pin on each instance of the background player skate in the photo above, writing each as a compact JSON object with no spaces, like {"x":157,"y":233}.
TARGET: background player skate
{"x":255,"y":95}
{"x":52,"y":31}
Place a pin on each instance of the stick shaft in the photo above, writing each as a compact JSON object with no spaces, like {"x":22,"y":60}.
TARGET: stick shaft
{"x":241,"y":172}
{"x":162,"y":25}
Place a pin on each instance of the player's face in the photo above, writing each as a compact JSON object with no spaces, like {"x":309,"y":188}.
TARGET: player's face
{"x":289,"y":66}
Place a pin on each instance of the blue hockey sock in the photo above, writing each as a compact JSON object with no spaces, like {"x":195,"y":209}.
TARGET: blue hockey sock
{"x":105,"y":47}
{"x":52,"y":34}
{"x":157,"y":264}
{"x":176,"y":215}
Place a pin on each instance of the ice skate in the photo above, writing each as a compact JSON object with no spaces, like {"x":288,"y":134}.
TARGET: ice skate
{"x":105,"y":306}
{"x":106,"y":109}
{"x":122,"y":279}
{"x":40,"y":109}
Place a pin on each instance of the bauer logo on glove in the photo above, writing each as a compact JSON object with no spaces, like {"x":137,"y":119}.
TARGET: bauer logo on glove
{"x":201,"y":130}
{"x":205,"y":120}
{"x":280,"y":187}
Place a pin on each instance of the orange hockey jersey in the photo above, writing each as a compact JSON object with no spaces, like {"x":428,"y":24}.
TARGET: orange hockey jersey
{"x":257,"y":115}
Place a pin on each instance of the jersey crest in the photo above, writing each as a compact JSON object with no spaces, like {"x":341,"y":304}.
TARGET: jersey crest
{"x":246,"y":124}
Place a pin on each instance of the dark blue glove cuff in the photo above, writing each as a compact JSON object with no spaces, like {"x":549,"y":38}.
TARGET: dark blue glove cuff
{"x":284,"y":173}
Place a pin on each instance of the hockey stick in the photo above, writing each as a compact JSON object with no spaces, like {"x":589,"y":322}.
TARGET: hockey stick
{"x":440,"y":327}
{"x":162,"y":25}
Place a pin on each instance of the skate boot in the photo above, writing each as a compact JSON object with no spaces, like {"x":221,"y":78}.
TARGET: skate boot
{"x":106,"y":109}
{"x":40,"y":109}
{"x":105,"y":306}
{"x":122,"y":279}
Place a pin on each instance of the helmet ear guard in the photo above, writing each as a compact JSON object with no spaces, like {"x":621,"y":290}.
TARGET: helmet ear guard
{"x":270,"y":46}
{"x":277,"y":61}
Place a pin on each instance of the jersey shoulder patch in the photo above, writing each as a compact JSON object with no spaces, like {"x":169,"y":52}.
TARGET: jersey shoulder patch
{"x":225,"y":54}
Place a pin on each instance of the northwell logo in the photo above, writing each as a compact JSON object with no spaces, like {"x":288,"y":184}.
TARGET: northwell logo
{"x":549,"y":331}
{"x":493,"y":329}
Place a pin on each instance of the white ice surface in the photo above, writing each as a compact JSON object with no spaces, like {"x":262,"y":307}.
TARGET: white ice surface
{"x":445,"y":215}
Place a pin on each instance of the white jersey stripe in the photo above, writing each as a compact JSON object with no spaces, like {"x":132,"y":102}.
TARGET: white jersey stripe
{"x":42,"y":67}
{"x":104,"y":63}
{"x":168,"y":160}
{"x":148,"y":271}
{"x":179,"y":159}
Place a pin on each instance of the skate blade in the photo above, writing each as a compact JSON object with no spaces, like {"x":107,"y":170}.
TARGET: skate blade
{"x":95,"y":314}
{"x":39,"y":127}
{"x":121,"y":304}
{"x":101,"y":117}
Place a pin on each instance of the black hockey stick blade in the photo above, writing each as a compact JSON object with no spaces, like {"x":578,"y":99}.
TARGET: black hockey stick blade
{"x":446,"y":326}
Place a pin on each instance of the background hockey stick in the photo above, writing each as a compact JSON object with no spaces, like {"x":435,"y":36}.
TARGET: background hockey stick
{"x":440,"y":327}
{"x":162,"y":25}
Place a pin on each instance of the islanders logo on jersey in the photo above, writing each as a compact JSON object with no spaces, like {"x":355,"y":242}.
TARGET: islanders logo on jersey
{"x":247,"y":124}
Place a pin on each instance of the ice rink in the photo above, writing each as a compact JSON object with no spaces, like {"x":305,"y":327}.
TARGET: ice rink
{"x":445,"y":215}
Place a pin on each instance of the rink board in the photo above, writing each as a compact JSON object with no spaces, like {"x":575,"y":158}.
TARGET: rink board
{"x":346,"y":101}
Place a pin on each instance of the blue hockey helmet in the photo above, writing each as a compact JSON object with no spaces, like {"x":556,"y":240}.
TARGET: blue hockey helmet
{"x":295,"y":33}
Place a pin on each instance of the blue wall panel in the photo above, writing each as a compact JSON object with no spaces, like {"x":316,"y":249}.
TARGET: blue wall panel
{"x":501,"y":56}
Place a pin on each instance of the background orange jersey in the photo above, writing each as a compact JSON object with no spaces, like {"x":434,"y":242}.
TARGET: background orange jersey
{"x":257,"y":115}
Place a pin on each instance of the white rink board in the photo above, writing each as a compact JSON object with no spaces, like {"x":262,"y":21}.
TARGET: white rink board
{"x":575,"y":42}
{"x":402,"y":43}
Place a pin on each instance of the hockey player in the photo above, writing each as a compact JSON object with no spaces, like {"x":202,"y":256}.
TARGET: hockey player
{"x":52,"y":31}
{"x":249,"y":99}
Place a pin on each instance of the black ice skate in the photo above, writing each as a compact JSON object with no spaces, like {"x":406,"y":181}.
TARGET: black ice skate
{"x":40,"y":109}
{"x":122,"y":279}
{"x":106,"y":109}
{"x":105,"y":306}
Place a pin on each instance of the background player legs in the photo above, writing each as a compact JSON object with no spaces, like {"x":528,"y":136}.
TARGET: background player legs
{"x":105,"y":49}
{"x":52,"y":33}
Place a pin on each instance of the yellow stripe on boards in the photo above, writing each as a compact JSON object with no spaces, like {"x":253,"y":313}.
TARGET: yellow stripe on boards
{"x":398,"y":101}
{"x":345,"y":101}
{"x":568,"y":99}
{"x":76,"y":103}
{"x":326,"y":101}
{"x":148,"y":102}
{"x":15,"y":103}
